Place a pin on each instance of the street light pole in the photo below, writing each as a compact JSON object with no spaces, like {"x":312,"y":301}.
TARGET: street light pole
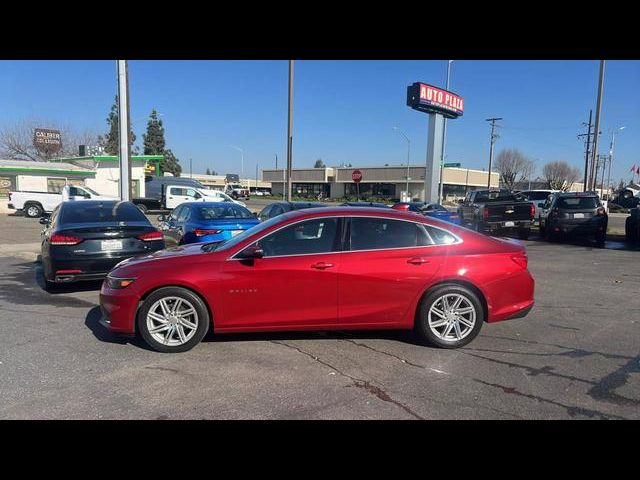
{"x":593,"y":181}
{"x":444,"y":139}
{"x":613,"y":141}
{"x":493,"y":140}
{"x":241,"y":161}
{"x":290,"y":132}
{"x":124,"y":127}
{"x":408,"y":154}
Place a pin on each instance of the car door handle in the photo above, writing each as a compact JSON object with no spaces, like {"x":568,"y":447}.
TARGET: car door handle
{"x":417,"y":261}
{"x":322,"y":265}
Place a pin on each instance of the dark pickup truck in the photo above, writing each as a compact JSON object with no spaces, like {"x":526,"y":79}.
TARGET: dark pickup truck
{"x":497,"y":210}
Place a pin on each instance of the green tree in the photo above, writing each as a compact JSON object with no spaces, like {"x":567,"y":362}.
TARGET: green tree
{"x":319,"y":164}
{"x":111,"y":140}
{"x":170,"y":163}
{"x":154,"y":142}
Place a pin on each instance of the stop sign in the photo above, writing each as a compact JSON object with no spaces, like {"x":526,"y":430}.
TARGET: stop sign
{"x":356,"y":176}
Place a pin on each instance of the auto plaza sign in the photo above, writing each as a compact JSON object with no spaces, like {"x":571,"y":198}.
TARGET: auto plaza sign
{"x":46,"y":140}
{"x":430,"y":99}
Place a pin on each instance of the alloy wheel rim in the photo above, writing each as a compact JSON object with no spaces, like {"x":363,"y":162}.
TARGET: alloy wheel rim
{"x":452,"y":317}
{"x":32,"y":211}
{"x":172,"y":321}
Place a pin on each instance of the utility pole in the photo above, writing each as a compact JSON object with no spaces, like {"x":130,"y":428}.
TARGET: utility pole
{"x":494,"y":137}
{"x":594,"y":154}
{"x":290,"y":132}
{"x":611,"y":147}
{"x":444,"y":139}
{"x":586,"y":157}
{"x":124,"y":128}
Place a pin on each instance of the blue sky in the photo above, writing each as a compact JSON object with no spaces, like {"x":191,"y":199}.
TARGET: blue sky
{"x":344,"y":110}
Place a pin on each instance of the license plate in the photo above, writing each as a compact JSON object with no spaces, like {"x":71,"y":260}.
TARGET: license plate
{"x":509,"y":224}
{"x":578,"y":215}
{"x":112,"y":245}
{"x":236,"y":232}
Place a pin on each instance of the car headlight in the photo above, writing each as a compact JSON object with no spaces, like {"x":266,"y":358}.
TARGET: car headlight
{"x":119,"y":283}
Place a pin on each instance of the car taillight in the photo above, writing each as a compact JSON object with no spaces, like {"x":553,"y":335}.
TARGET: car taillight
{"x":485,"y":214}
{"x":600,"y":212}
{"x":521,"y":259}
{"x":201,"y":232}
{"x":151,"y":236}
{"x":533,"y":210}
{"x":554,"y":213}
{"x":58,"y":239}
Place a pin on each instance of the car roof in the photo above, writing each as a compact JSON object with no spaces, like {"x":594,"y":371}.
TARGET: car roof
{"x":577,"y":194}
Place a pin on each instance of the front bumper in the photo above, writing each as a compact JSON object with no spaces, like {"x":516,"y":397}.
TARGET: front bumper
{"x":118,"y":308}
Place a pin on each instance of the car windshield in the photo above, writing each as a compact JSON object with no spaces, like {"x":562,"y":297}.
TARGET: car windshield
{"x":90,"y":190}
{"x":578,"y":203}
{"x":86,"y":212}
{"x":222,"y":210}
{"x":219,"y":246}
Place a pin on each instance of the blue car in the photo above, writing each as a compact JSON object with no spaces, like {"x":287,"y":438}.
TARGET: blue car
{"x":204,"y":222}
{"x":434,"y":210}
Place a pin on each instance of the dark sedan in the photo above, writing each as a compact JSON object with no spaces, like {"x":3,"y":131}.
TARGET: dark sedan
{"x":578,"y":214}
{"x":278,"y":208}
{"x":85,"y":240}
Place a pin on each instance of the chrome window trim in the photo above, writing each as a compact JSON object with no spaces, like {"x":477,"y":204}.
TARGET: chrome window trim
{"x":457,"y":242}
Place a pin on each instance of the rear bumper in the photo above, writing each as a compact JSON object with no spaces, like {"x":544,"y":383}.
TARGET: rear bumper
{"x":503,"y":225}
{"x":510,"y":297}
{"x":586,"y":228}
{"x":11,"y":206}
{"x":73,"y":269}
{"x":79,"y":277}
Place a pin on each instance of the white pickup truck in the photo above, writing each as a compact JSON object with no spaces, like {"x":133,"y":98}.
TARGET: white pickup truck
{"x":177,"y":194}
{"x":34,"y":204}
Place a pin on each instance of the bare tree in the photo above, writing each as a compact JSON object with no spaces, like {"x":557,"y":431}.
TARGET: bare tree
{"x":513,"y":167}
{"x":559,"y":175}
{"x":16,"y":139}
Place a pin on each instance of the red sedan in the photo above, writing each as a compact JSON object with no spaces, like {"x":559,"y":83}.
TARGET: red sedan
{"x":323,"y":269}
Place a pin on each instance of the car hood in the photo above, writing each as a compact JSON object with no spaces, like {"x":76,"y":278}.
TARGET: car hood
{"x":161,"y":255}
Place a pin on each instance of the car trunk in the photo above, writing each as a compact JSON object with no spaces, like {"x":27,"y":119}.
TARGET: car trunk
{"x":109,"y":238}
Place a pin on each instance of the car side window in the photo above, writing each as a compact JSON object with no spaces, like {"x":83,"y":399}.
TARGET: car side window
{"x":275,"y":211}
{"x":439,"y":236}
{"x":176,"y":213}
{"x":264,"y":215}
{"x":371,"y":233}
{"x":176,"y":191}
{"x":184,"y":214}
{"x":304,"y":238}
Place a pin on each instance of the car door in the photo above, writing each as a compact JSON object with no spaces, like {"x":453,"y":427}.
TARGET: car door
{"x":387,"y":265}
{"x":294,"y":284}
{"x":170,"y":227}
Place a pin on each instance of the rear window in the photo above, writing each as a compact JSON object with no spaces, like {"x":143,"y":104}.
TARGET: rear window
{"x":497,"y":196}
{"x":82,"y":212}
{"x":223,"y":210}
{"x":578,"y":203}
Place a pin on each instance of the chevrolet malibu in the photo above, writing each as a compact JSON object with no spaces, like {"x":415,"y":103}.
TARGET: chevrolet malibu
{"x":323,"y":269}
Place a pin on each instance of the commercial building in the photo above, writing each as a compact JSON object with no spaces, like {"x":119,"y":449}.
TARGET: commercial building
{"x":384,"y":182}
{"x":100,"y":173}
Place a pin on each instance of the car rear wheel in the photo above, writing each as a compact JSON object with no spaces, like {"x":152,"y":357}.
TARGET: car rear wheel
{"x":601,"y":238}
{"x":450,"y":316}
{"x":630,"y":231}
{"x":33,"y":210}
{"x":173,"y":319}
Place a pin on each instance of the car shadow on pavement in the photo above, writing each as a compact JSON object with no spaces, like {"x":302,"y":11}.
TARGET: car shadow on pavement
{"x":92,"y":322}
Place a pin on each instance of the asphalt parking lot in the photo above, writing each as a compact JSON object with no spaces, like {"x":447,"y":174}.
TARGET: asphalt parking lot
{"x":575,"y":356}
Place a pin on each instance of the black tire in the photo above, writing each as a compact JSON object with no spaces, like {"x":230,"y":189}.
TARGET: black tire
{"x":523,"y":233}
{"x":51,"y":287}
{"x":33,"y":210}
{"x":550,"y":236}
{"x":143,"y":208}
{"x":601,"y":238}
{"x":199,"y":306}
{"x":422,"y":327}
{"x":543,"y":231}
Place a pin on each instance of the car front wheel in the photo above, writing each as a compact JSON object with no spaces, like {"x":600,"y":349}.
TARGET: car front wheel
{"x":173,"y":319}
{"x":450,"y":316}
{"x":33,"y":210}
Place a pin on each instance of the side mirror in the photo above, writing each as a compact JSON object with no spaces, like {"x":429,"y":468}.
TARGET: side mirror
{"x":45,"y":220}
{"x":251,"y":252}
{"x":162,"y":218}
